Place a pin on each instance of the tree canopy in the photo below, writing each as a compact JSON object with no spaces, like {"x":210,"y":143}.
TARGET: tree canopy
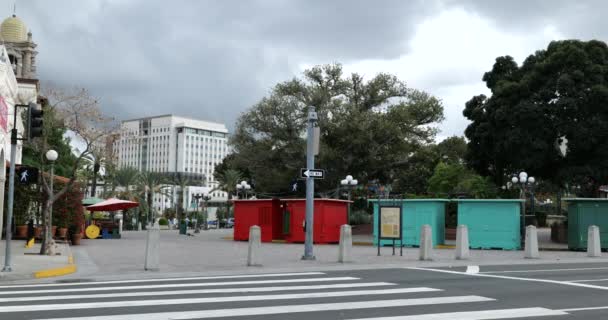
{"x":368,"y":129}
{"x":558,"y":96}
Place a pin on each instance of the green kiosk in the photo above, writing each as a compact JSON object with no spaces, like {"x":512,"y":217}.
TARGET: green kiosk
{"x":582,"y":213}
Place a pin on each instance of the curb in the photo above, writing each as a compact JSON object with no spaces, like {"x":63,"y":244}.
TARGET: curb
{"x":61,"y":271}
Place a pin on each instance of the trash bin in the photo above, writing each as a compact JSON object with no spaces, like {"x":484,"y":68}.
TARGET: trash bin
{"x":492,"y":223}
{"x":582,"y":213}
{"x":414,"y":214}
{"x":329,"y":215}
{"x":183,"y":227}
{"x":265,"y":213}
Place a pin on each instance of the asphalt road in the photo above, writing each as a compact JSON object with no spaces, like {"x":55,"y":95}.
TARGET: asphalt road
{"x":573,"y":291}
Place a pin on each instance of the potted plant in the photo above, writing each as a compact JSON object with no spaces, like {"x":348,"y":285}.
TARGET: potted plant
{"x":38,"y":232}
{"x":21,"y":232}
{"x":62,"y":232}
{"x":76,"y":234}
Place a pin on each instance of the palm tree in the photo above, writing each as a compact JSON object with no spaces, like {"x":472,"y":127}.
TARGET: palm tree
{"x":183,"y":180}
{"x":227,"y":182}
{"x":148,"y":184}
{"x":125,"y":178}
{"x":95,"y":160}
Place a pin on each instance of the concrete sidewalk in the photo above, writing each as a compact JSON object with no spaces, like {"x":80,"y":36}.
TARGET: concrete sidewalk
{"x":26,"y":263}
{"x":209,"y":253}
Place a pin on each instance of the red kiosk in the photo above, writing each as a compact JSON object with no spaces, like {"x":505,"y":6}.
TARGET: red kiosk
{"x":284,"y":219}
{"x":264,"y":213}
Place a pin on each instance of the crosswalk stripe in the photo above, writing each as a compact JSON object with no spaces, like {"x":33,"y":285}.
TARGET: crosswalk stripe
{"x":262,"y":275}
{"x":203,"y":291}
{"x":479,"y":315}
{"x":179,"y":285}
{"x":140,"y":303}
{"x":235,"y":312}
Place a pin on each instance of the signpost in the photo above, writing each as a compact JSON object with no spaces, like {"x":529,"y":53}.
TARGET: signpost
{"x":312,"y":173}
{"x":389,"y":225}
{"x":310,"y":183}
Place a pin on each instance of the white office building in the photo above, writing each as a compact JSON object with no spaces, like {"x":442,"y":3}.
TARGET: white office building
{"x":169,"y":143}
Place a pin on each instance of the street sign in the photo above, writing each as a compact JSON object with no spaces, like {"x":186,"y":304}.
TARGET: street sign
{"x":313,"y":173}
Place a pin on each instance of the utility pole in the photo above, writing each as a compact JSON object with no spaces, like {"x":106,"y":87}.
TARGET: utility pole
{"x":310,"y":184}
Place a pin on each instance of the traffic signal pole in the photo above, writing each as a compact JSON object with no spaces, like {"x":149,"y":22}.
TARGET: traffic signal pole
{"x":11,"y":197}
{"x":11,"y":187}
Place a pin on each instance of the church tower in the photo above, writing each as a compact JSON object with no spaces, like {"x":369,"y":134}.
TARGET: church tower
{"x":19,"y":46}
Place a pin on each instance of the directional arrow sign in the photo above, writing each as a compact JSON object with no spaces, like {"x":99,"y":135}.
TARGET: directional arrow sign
{"x":312,"y":173}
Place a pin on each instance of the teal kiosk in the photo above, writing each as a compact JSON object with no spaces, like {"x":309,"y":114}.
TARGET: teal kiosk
{"x":492,"y":223}
{"x":415,"y":213}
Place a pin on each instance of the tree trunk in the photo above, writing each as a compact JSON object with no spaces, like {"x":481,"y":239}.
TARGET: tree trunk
{"x":96,"y":168}
{"x":150,"y":204}
{"x":47,"y":226}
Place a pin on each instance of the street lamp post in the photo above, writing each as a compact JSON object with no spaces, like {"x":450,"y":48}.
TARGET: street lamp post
{"x":51,"y":156}
{"x":206,"y":199}
{"x":197,"y":196}
{"x":526,"y":184}
{"x":243,"y":187}
{"x":349,"y":183}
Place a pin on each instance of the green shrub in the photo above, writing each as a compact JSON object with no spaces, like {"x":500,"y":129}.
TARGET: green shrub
{"x":358,"y":217}
{"x":163,"y":222}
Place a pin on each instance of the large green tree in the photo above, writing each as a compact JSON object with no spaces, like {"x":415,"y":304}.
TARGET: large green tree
{"x":557,"y":97}
{"x":368,"y":128}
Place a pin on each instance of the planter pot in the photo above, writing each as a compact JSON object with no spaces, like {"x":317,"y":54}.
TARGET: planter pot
{"x":62,"y":233}
{"x":76,"y":239}
{"x":559,"y":233}
{"x":21,"y":232}
{"x":38,"y":232}
{"x":450,"y":233}
{"x":53,"y":231}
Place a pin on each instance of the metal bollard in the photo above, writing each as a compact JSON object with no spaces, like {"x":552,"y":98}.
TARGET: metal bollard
{"x":531,"y":245}
{"x":462,"y":242}
{"x":594,"y":248}
{"x":346,"y":244}
{"x":255,"y":242}
{"x":426,"y":243}
{"x":152,"y":262}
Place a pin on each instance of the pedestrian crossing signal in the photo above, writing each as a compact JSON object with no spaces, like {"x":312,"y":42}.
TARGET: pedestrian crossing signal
{"x":27,"y":175}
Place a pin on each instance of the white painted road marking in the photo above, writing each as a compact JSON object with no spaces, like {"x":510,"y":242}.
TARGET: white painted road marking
{"x":566,"y":283}
{"x":178,"y":285}
{"x":235,"y":312}
{"x":472,"y":269}
{"x":546,"y":270}
{"x":262,"y":275}
{"x":584,"y":309}
{"x":590,"y":280}
{"x":139,"y":303}
{"x":479,"y":315}
{"x":202,"y":291}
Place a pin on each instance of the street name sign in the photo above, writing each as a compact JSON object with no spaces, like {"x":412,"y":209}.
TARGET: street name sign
{"x":312,"y":173}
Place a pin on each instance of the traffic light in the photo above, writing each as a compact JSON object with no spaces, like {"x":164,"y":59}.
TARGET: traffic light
{"x":34,"y":121}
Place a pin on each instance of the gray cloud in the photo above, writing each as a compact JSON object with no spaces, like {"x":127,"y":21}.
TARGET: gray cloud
{"x":575,"y":19}
{"x":214,"y":59}
{"x":207,"y":59}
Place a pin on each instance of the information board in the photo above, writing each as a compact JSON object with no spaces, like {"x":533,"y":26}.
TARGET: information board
{"x":390,"y":222}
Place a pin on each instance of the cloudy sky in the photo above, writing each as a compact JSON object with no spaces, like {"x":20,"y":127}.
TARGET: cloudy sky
{"x":213,"y":59}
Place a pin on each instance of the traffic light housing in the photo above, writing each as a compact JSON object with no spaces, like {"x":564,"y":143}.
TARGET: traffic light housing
{"x":34,"y":121}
